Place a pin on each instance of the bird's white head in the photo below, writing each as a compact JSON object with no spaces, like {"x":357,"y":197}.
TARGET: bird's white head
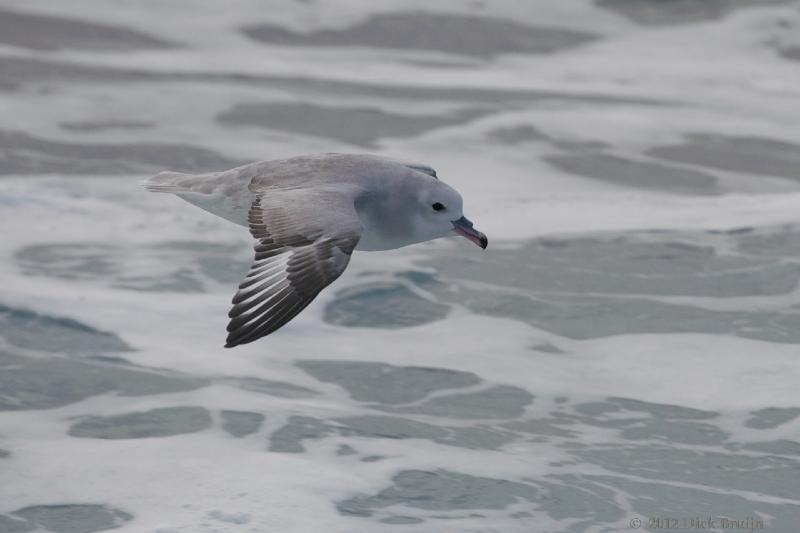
{"x":440,"y":213}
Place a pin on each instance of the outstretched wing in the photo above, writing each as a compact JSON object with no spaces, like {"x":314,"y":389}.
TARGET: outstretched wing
{"x":304,"y":240}
{"x":425,"y":169}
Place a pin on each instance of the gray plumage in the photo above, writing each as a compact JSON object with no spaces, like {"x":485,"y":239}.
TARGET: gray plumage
{"x":308,"y":214}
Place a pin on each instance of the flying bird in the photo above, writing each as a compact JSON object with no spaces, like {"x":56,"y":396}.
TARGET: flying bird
{"x":308,"y":214}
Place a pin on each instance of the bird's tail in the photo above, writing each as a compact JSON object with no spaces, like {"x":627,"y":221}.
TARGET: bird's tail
{"x":166,"y":182}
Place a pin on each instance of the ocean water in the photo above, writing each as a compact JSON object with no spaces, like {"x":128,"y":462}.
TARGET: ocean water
{"x":625,"y":355}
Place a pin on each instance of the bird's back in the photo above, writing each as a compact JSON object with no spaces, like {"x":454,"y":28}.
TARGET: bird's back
{"x":230,"y":193}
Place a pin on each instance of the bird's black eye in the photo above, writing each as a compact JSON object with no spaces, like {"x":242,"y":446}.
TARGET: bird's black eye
{"x":438,"y":206}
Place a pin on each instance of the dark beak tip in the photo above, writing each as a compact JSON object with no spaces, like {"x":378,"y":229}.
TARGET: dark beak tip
{"x":463,"y":226}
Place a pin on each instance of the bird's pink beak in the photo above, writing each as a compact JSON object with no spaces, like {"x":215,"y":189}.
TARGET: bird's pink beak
{"x":463,"y":227}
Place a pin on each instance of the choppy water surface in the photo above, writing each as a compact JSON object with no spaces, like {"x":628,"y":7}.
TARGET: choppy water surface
{"x":626,"y":349}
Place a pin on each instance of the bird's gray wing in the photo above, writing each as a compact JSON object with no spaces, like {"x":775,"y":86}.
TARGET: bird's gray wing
{"x":304,"y":240}
{"x":425,"y":169}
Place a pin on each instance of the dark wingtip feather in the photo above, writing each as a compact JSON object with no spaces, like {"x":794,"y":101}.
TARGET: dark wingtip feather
{"x":230,"y":343}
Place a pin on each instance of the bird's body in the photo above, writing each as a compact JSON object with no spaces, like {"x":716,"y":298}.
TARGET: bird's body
{"x":308,"y":214}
